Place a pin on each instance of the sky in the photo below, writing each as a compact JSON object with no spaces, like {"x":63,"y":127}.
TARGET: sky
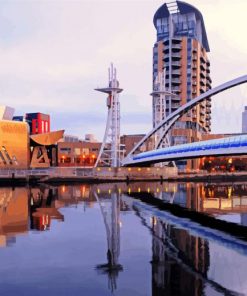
{"x":53,"y":53}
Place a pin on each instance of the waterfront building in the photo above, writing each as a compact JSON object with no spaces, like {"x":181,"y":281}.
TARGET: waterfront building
{"x":180,"y":52}
{"x":244,"y":120}
{"x":81,"y":153}
{"x":70,"y":138}
{"x":128,"y":142}
{"x":90,"y":138}
{"x":14,"y":145}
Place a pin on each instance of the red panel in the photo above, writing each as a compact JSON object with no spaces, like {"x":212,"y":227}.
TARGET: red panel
{"x":39,"y":124}
{"x":33,"y":130}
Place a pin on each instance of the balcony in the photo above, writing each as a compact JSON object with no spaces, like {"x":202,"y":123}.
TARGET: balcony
{"x":166,"y":51}
{"x":176,"y":39}
{"x":175,"y":105}
{"x":194,"y":92}
{"x":176,"y":46}
{"x":176,"y":55}
{"x":194,"y":66}
{"x":175,"y":98}
{"x":209,"y":79}
{"x":176,"y":72}
{"x":176,"y":64}
{"x":176,"y":81}
{"x":176,"y":89}
{"x":202,"y":74}
{"x":202,"y":59}
{"x":202,"y":111}
{"x":202,"y":67}
{"x":202,"y":82}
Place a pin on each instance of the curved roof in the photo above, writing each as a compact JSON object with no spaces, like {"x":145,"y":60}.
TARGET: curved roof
{"x":184,"y":8}
{"x":47,"y":139}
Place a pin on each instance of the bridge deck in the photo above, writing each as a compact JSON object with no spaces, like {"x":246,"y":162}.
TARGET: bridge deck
{"x":236,"y":145}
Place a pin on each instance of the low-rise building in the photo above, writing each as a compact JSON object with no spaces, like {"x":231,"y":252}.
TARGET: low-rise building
{"x":130,"y":141}
{"x":81,"y":153}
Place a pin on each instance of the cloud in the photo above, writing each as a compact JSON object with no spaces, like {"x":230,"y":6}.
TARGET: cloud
{"x":54,"y":53}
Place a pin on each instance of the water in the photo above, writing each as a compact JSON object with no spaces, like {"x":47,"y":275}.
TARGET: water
{"x":106,"y":240}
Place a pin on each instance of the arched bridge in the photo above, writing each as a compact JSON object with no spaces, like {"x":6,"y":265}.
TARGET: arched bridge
{"x":218,"y":147}
{"x":170,"y":120}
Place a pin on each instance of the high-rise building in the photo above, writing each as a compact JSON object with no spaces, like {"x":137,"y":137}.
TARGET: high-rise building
{"x":244,"y":120}
{"x":180,"y":52}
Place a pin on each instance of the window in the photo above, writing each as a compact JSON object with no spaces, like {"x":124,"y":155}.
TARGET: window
{"x":77,"y":151}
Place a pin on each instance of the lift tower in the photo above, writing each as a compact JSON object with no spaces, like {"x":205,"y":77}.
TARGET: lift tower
{"x":109,"y":154}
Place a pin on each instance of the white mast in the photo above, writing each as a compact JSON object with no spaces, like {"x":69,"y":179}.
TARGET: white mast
{"x":109,"y":154}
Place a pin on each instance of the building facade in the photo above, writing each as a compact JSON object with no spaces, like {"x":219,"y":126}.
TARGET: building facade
{"x":14,"y":145}
{"x":80,"y":154}
{"x":180,"y":52}
{"x":128,"y":142}
{"x":39,"y":123}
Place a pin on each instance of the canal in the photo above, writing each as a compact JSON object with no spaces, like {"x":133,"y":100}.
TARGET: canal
{"x":113,"y":239}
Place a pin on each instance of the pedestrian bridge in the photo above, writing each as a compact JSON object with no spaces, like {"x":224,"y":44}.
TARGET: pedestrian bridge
{"x":231,"y":146}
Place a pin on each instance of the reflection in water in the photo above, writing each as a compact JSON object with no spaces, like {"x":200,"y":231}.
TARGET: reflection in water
{"x":13,"y":214}
{"x":43,"y":208}
{"x":111,"y":212}
{"x":169,"y":246}
{"x":185,"y":257}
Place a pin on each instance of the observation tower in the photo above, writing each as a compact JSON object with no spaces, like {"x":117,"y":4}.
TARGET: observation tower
{"x":109,"y":154}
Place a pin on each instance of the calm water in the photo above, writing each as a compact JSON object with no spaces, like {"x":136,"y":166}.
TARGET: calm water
{"x":102,"y":240}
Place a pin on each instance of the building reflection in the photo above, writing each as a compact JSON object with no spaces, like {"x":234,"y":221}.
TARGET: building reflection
{"x":45,"y":202}
{"x":43,"y":207}
{"x":170,"y":247}
{"x":213,"y":199}
{"x":33,"y":208}
{"x":13,"y":214}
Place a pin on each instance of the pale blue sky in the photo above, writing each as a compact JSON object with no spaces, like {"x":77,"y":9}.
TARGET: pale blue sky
{"x":54,"y":53}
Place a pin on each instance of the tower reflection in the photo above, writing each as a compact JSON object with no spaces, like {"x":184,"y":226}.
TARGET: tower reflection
{"x":110,"y":209}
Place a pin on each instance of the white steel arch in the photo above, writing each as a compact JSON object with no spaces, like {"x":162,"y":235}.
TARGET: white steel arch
{"x":173,"y":117}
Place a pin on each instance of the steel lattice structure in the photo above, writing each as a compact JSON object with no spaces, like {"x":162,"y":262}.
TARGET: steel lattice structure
{"x":109,"y":154}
